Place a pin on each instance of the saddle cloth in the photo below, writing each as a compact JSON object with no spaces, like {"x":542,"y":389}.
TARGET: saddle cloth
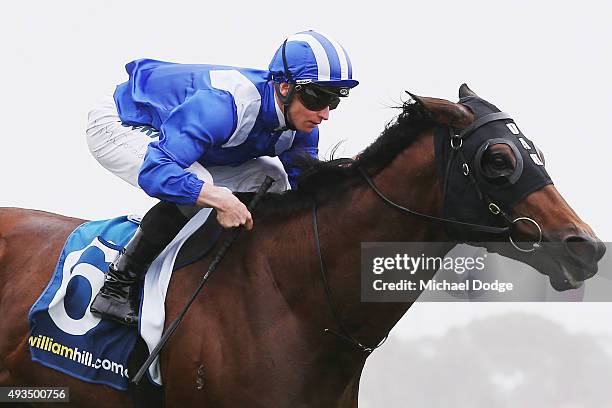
{"x":65,"y":336}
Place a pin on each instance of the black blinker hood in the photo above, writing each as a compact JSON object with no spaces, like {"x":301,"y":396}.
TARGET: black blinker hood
{"x":463,"y":200}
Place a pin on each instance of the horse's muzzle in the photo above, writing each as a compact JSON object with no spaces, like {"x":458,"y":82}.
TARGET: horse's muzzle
{"x":584,"y":252}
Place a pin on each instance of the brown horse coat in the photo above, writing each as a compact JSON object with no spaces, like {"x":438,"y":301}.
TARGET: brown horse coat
{"x":254,"y":337}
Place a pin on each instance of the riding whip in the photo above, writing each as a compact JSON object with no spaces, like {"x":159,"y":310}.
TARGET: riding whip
{"x":213,"y":265}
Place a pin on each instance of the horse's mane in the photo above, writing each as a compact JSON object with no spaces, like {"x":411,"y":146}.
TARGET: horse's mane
{"x":325,"y":180}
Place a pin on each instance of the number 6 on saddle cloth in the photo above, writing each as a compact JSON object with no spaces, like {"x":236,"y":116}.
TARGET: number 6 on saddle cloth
{"x":65,"y":336}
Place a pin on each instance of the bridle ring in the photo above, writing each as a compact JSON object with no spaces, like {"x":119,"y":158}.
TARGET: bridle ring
{"x":454,"y":145}
{"x":536,"y":245}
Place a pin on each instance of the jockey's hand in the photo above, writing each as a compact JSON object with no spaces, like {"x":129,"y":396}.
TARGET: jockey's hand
{"x":230,"y":211}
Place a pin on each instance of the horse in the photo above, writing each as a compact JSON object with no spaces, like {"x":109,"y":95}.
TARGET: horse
{"x":281,"y":322}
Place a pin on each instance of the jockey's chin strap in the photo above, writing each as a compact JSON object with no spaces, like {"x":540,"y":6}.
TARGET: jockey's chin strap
{"x":286,"y":99}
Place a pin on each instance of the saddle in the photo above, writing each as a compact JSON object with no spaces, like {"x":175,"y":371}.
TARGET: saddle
{"x":200,"y":243}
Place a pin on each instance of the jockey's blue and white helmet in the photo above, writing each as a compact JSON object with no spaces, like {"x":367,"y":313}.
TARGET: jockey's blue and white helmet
{"x":313,"y":57}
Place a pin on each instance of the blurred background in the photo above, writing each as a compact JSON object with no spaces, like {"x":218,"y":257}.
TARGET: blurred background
{"x":547,"y":63}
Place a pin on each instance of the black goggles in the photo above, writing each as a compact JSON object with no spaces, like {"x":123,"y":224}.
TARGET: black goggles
{"x":316,"y":98}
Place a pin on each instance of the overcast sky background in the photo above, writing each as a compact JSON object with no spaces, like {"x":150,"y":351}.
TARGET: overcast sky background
{"x":547,"y":63}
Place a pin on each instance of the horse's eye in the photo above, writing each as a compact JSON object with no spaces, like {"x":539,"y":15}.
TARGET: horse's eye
{"x":498,"y":162}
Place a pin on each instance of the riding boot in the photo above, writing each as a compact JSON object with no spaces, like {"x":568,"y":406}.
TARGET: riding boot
{"x":119,"y":298}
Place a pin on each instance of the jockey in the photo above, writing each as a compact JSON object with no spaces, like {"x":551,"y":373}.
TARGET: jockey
{"x":189,"y":135}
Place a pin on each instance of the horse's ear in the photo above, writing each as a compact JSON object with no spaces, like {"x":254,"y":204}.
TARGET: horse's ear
{"x":465,"y":91}
{"x":446,"y":112}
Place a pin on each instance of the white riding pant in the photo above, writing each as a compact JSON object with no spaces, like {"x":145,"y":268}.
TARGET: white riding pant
{"x":121,"y":149}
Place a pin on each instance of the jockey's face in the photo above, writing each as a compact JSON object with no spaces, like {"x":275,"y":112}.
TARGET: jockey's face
{"x":303,"y":119}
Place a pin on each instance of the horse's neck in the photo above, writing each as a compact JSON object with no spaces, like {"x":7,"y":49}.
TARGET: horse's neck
{"x":286,"y":267}
{"x":410,"y":180}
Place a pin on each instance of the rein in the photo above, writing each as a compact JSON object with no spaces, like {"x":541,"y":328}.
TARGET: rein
{"x":503,"y":231}
{"x":456,"y":142}
{"x":344,"y":333}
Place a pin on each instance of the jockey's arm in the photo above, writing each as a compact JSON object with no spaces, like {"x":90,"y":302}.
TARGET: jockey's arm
{"x":185,"y":136}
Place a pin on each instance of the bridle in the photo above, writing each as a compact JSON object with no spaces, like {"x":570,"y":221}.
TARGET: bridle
{"x":456,"y":143}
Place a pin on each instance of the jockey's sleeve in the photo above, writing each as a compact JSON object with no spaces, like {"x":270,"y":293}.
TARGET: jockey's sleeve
{"x":206,"y":119}
{"x":303,"y":144}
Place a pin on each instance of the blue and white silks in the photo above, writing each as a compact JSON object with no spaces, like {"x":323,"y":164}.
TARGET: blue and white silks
{"x":211,"y":114}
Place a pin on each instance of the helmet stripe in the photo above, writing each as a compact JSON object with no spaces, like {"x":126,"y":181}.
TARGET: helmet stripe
{"x":332,"y":55}
{"x":319,"y":53}
{"x":350,"y":66}
{"x":344,"y":64}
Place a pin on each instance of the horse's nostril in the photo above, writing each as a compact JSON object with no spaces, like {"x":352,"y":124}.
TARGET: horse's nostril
{"x":582,"y":249}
